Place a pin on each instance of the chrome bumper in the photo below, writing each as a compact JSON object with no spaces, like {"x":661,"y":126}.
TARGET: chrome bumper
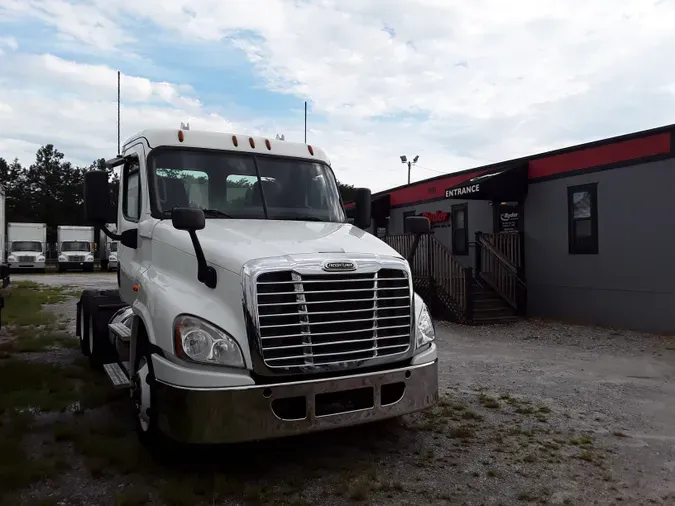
{"x":257,"y":412}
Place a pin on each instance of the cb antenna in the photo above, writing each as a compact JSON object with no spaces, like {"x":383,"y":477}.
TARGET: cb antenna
{"x":118,"y":112}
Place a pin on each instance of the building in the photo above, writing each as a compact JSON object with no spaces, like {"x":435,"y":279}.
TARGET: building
{"x":585,"y":231}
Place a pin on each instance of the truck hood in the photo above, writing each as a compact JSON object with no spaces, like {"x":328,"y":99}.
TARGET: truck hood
{"x":231,"y":243}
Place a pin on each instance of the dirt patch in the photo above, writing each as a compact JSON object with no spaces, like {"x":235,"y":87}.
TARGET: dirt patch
{"x":520,"y":421}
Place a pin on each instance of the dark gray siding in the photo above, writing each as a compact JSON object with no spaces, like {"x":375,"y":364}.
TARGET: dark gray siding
{"x":629,"y":283}
{"x":480,"y":219}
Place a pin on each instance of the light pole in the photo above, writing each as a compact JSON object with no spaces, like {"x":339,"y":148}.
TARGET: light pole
{"x":404,"y":159}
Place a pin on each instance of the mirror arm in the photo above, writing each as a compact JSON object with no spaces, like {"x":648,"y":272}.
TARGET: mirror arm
{"x":413,"y":248}
{"x":205,"y":273}
{"x":114,"y":237}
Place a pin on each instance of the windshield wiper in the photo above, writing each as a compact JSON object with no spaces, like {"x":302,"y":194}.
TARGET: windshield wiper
{"x":215,"y":213}
{"x":303,"y":218}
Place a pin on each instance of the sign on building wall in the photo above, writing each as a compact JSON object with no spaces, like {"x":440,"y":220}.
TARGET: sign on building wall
{"x":438,"y":219}
{"x":509,"y":218}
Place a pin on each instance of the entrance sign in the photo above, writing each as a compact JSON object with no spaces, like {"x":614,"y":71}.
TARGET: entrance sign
{"x":465,"y":190}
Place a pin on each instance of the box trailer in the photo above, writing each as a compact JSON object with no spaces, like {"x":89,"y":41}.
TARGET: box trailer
{"x":27,"y":244}
{"x":75,"y":246}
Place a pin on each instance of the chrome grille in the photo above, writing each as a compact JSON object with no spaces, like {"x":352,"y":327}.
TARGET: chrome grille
{"x":25,"y":258}
{"x":319,"y":319}
{"x":77,"y":258}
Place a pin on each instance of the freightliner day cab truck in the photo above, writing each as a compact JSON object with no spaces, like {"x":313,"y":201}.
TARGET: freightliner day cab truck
{"x":27,"y":246}
{"x":75,"y":247}
{"x":108,"y":249}
{"x":248,"y":306}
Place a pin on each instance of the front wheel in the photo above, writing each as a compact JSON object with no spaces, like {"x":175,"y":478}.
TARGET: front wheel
{"x":143,"y":396}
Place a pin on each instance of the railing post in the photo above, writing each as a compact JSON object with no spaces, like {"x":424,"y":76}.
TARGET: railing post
{"x":433,"y":296}
{"x":468,"y":281}
{"x":477,"y":253}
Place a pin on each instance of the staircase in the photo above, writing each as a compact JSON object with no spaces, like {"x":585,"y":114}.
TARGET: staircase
{"x":492,"y":294}
{"x":489,"y":307}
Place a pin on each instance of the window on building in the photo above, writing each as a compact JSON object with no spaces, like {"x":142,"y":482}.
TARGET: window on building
{"x":582,"y":205}
{"x":460,"y":229}
{"x":132,"y":191}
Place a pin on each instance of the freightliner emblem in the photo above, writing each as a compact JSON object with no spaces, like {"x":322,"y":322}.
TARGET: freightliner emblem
{"x":338,"y":266}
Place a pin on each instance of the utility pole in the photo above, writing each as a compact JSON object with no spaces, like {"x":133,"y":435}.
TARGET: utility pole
{"x":404,"y":159}
{"x":305,"y":121}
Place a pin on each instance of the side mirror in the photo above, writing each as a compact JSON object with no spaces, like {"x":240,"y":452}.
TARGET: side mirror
{"x":97,"y":207}
{"x":417,"y":225}
{"x":188,"y":218}
{"x":363,"y":206}
{"x":192,"y":219}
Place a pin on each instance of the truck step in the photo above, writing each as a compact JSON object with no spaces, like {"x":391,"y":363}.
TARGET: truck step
{"x":120,"y":330}
{"x":117,"y":375}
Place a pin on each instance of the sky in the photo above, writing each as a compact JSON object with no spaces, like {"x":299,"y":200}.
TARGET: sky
{"x":459,"y":83}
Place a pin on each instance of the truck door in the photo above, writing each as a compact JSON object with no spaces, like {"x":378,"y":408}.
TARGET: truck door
{"x":129,"y":216}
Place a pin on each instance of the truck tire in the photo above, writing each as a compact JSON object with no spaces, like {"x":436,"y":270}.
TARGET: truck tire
{"x":94,"y":329}
{"x":143,"y":395}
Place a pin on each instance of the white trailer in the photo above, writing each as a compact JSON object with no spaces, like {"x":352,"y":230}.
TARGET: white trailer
{"x":27,"y":244}
{"x":4,"y":267}
{"x":254,"y":315}
{"x":107,"y":248}
{"x":75,"y":246}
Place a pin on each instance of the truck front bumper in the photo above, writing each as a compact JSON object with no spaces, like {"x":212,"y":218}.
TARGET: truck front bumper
{"x":26,"y":265}
{"x":230,"y":415}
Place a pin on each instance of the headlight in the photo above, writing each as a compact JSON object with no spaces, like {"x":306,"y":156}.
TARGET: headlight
{"x":41,"y":259}
{"x":90,"y":258}
{"x":425,"y":331}
{"x":62,"y":258}
{"x":112,"y":258}
{"x":202,"y":342}
{"x":11,"y":258}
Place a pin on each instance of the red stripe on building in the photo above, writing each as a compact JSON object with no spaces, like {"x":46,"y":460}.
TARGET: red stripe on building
{"x":430,"y":189}
{"x":601,"y":155}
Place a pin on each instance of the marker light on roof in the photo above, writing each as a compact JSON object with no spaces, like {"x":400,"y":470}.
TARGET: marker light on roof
{"x":267,"y":143}
{"x":235,"y":141}
{"x":311,"y":150}
{"x":180,"y":136}
{"x":251,"y":142}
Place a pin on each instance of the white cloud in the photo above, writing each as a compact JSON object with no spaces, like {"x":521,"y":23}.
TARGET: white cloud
{"x":477,"y":82}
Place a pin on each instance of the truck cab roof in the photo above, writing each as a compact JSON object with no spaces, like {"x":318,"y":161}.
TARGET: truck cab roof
{"x":200,"y":139}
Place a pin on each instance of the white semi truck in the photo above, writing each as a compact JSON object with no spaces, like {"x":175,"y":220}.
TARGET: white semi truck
{"x":75,"y":245}
{"x":108,"y":249}
{"x":27,"y":246}
{"x":247,"y":306}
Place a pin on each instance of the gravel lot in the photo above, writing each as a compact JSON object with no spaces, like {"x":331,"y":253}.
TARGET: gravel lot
{"x":533,"y":412}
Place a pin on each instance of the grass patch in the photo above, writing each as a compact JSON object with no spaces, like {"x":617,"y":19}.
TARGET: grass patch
{"x":488,"y":402}
{"x":17,"y":468}
{"x":31,"y":328}
{"x":49,"y":387}
{"x":24,"y":301}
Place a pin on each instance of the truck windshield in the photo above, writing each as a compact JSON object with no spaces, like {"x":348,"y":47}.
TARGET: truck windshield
{"x":113,"y":246}
{"x":227,"y":185}
{"x":26,"y":246}
{"x":75,"y":246}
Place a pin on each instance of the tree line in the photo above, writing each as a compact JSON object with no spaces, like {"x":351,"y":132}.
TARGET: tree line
{"x":50,"y":189}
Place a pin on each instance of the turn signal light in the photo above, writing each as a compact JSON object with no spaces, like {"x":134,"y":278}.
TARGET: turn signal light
{"x":180,"y":136}
{"x":235,"y":141}
{"x":267,"y":143}
{"x":251,"y":142}
{"x":311,"y":150}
